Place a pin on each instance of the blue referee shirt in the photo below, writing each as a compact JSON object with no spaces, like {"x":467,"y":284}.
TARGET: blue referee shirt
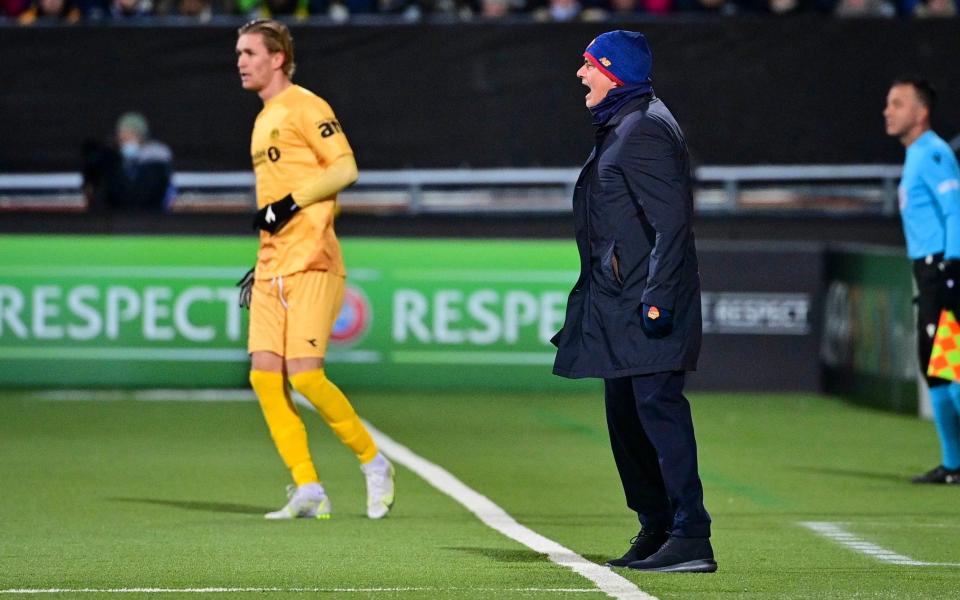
{"x":930,"y":198}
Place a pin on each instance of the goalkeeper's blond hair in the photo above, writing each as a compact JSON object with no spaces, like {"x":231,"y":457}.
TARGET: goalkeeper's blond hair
{"x":277,"y":38}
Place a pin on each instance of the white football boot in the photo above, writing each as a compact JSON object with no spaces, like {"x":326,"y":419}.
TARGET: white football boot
{"x":306,"y":502}
{"x":380,"y":474}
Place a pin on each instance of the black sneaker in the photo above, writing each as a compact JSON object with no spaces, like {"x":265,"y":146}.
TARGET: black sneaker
{"x":641,"y":546}
{"x":680,"y":555}
{"x":938,"y":474}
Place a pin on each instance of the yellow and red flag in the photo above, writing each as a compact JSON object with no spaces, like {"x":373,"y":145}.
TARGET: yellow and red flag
{"x":945,"y":358}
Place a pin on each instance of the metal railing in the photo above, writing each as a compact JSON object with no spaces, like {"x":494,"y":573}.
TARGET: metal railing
{"x":876,"y":185}
{"x":720,"y":189}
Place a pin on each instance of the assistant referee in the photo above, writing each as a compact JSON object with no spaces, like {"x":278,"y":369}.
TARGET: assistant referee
{"x":930,"y":209}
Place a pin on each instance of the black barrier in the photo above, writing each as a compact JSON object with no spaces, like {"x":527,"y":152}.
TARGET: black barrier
{"x":761,"y":316}
{"x":869,"y":335}
{"x":746,"y":91}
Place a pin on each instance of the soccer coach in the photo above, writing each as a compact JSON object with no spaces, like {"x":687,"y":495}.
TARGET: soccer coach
{"x":633,"y":317}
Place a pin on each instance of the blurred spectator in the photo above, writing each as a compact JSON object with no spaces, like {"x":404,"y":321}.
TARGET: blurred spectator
{"x":657,"y":7}
{"x":935,"y":8}
{"x":13,"y":8}
{"x":788,"y":7}
{"x":783,"y":7}
{"x":410,"y":10}
{"x":558,"y":10}
{"x":246,"y":7}
{"x":564,"y":10}
{"x":624,"y":8}
{"x":284,"y":8}
{"x":50,"y":11}
{"x":461,"y":9}
{"x":715,"y":7}
{"x":134,"y":173}
{"x":265,"y":9}
{"x":200,"y":10}
{"x":130,"y":9}
{"x":636,"y":7}
{"x":94,"y":10}
{"x":340,"y":10}
{"x":864,"y":8}
{"x":494,"y":9}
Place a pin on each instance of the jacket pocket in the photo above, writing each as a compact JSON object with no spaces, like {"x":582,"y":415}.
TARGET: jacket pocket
{"x":615,"y":263}
{"x":610,"y":265}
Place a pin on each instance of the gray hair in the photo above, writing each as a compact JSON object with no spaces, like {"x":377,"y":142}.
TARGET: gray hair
{"x":135,"y":122}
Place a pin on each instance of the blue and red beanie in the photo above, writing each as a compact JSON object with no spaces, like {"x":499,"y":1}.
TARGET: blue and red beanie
{"x":623,"y":56}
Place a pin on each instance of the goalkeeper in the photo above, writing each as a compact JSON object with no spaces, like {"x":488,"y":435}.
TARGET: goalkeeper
{"x":930,"y":209}
{"x":301,"y":159}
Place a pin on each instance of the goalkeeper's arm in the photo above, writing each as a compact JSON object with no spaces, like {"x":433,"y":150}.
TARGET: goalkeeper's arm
{"x":338,"y":175}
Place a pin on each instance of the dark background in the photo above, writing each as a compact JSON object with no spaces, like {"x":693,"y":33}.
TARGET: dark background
{"x":746,"y":91}
{"x":764,"y":362}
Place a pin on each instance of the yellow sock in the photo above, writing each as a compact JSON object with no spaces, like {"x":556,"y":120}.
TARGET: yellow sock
{"x":286,"y":427}
{"x":335,"y":409}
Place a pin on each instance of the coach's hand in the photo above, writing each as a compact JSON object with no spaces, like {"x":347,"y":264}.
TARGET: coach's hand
{"x":273,"y":216}
{"x":657,"y":322}
{"x":246,"y":288}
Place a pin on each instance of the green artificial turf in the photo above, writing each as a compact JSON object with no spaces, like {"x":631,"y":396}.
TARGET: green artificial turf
{"x":130,"y":494}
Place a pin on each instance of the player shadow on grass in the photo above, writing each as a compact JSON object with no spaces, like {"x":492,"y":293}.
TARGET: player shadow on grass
{"x":514,"y":556}
{"x":219,"y":507}
{"x":884,"y":476}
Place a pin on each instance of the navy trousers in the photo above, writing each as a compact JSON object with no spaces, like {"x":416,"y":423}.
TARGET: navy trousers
{"x":651,"y":433}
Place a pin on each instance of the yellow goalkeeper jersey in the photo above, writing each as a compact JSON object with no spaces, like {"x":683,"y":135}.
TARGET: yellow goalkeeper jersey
{"x":295,"y":137}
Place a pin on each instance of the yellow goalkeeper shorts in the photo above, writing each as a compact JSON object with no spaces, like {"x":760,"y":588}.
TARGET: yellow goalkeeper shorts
{"x":293,"y":315}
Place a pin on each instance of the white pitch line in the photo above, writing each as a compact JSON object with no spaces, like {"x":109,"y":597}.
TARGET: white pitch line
{"x":834,"y":532}
{"x":496,"y":518}
{"x":259,"y":590}
{"x":901,"y":525}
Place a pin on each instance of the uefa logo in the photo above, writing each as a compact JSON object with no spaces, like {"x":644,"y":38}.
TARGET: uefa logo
{"x":354,"y":319}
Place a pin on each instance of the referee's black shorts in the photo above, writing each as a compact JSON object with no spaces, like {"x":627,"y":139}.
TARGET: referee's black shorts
{"x":932,"y":298}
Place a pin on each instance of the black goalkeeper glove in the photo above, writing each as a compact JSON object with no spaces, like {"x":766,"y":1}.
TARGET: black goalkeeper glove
{"x":275,"y":215}
{"x":246,"y":288}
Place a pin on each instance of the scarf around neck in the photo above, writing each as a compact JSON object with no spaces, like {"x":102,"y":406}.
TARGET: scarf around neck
{"x":616,"y":99}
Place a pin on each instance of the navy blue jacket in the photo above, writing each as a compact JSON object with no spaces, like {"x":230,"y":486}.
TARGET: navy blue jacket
{"x":632,"y":212}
